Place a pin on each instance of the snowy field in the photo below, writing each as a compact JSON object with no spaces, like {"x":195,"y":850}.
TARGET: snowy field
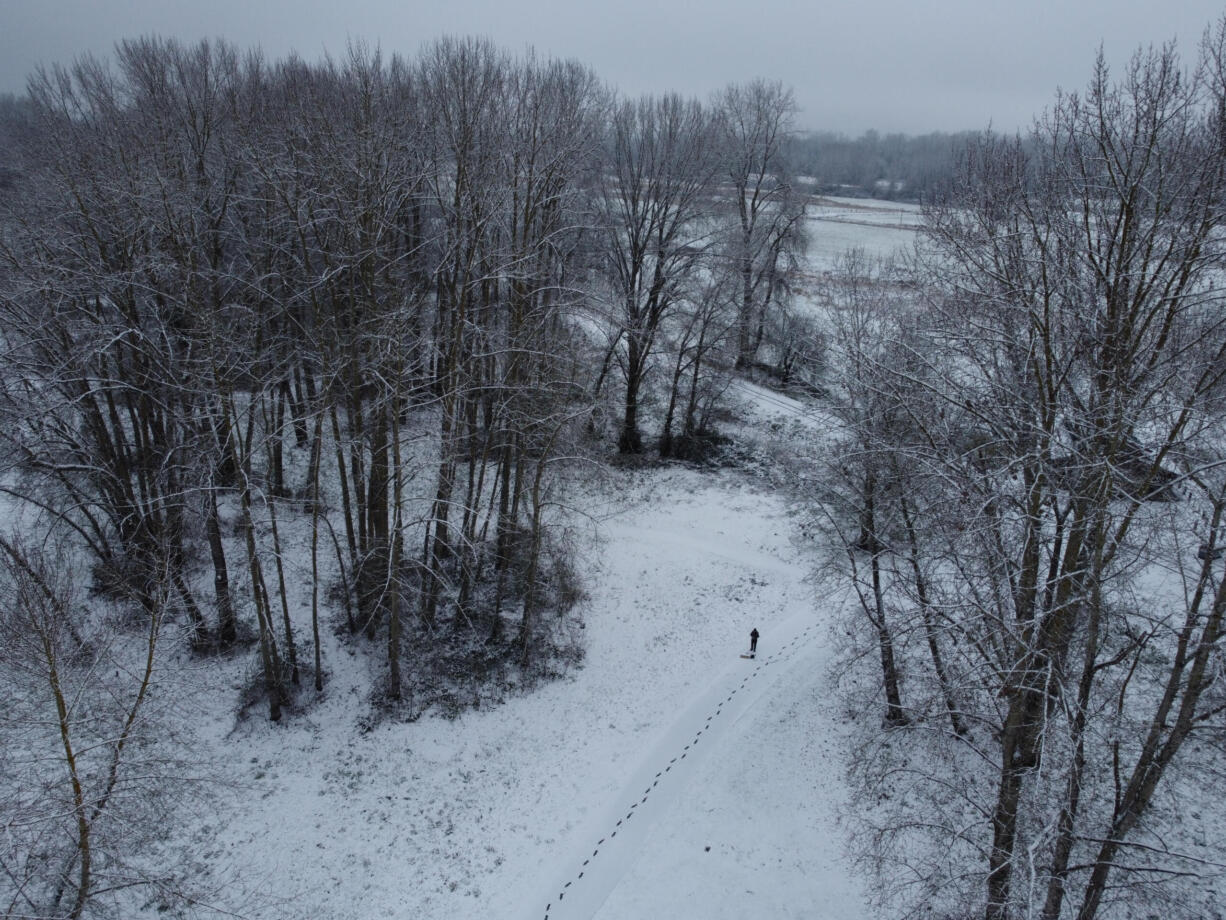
{"x":883,"y":229}
{"x":665,"y":777}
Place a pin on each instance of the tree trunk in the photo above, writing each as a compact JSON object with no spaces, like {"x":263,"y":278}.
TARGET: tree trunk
{"x":227,"y":622}
{"x":630,"y":441}
{"x":316,"y":450}
{"x":930,"y":630}
{"x":894,"y":714}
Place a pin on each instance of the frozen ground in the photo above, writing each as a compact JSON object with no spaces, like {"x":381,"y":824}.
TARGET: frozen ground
{"x":883,"y":229}
{"x":722,"y":771}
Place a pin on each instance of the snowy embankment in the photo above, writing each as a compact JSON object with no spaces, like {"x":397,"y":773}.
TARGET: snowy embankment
{"x":493,"y":814}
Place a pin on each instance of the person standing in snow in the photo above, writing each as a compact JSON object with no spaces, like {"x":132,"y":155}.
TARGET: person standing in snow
{"x":753,"y":641}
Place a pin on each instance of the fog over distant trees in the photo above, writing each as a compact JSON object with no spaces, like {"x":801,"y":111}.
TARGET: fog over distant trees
{"x":894,"y":166}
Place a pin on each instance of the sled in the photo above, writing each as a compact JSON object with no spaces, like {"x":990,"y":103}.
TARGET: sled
{"x":749,"y":655}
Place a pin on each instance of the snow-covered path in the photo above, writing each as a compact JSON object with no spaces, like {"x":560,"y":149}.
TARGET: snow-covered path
{"x":660,"y":793}
{"x":711,"y":822}
{"x":490,"y":815}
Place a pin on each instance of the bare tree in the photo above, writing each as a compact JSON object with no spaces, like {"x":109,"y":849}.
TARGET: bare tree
{"x":698,"y":340}
{"x":97,"y":326}
{"x":864,"y":490}
{"x":74,"y":796}
{"x":1066,"y":382}
{"x":655,"y":203}
{"x":754,"y":124}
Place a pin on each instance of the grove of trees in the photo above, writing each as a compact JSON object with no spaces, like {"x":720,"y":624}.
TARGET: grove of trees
{"x":281,"y":335}
{"x":1030,"y":493}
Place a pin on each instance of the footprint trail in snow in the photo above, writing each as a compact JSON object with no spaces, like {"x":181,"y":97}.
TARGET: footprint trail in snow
{"x":661,"y":779}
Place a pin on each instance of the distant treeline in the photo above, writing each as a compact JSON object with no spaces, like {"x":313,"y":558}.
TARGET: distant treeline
{"x":895,"y":166}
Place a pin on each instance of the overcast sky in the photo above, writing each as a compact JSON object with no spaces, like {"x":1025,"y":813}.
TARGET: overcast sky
{"x":894,"y":65}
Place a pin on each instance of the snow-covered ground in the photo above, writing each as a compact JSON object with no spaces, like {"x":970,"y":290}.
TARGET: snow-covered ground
{"x":666,"y":777}
{"x":883,"y":229}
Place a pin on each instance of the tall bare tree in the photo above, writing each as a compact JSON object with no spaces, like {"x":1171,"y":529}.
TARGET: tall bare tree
{"x":755,"y":122}
{"x":655,"y":198}
{"x":1065,"y":404}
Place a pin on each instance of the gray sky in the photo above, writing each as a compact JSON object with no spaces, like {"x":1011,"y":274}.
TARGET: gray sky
{"x":893,"y":65}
